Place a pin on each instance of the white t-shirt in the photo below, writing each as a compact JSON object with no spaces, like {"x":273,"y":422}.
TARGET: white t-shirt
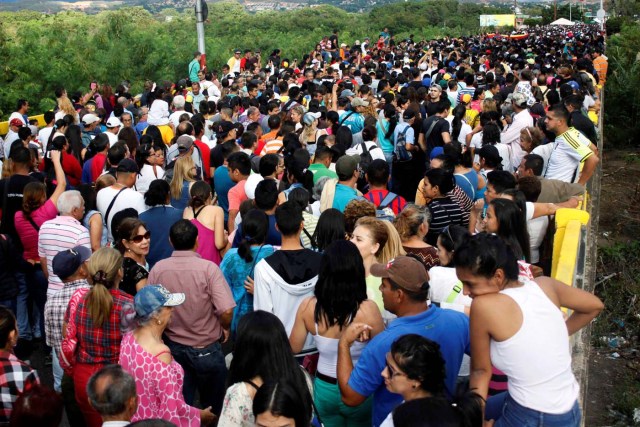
{"x":16,"y":115}
{"x":505,"y":152}
{"x":476,"y":143}
{"x":129,"y":198}
{"x":112,"y":138}
{"x":175,"y":117}
{"x":146,"y":176}
{"x":376,"y":152}
{"x":465,"y":130}
{"x":570,"y":149}
{"x":43,"y":136}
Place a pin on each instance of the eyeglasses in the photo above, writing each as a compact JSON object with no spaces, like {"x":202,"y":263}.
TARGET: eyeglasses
{"x":393,"y":372}
{"x":140,"y":237}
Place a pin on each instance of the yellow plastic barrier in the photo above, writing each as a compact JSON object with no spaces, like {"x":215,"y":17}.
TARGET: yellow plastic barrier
{"x":4,"y":126}
{"x":566,"y":243}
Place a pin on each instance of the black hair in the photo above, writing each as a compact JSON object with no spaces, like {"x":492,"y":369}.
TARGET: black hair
{"x":330,"y":228}
{"x":157,"y":193}
{"x":261,"y":332}
{"x":282,"y":399}
{"x":421,"y":360}
{"x":97,"y":145}
{"x":240,"y":161}
{"x":451,"y":238}
{"x":391,"y":114}
{"x":74,"y":136}
{"x":322,"y":153}
{"x":49,"y":116}
{"x":378,"y":173}
{"x":288,"y":218}
{"x":530,"y":187}
{"x":248,"y":140}
{"x":441,"y":178}
{"x":266,"y":194}
{"x":299,"y":172}
{"x":255,"y":227}
{"x":20,"y":155}
{"x":512,"y":227}
{"x":535,"y":162}
{"x":458,"y":115}
{"x":483,"y":254}
{"x":116,"y":154}
{"x":89,"y":195}
{"x":490,"y":134}
{"x":268,"y":164}
{"x":341,"y":286}
{"x":560,"y":112}
{"x":501,"y":180}
{"x":183,"y":235}
{"x":463,"y":411}
{"x":300,"y":196}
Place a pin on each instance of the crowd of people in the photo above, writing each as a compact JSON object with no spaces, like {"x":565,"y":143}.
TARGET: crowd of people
{"x":359,"y":237}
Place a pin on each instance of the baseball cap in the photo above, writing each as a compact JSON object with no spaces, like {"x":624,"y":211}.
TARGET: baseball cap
{"x":128,"y":166}
{"x":16,"y":122}
{"x":574,"y":85}
{"x":347,"y":165}
{"x":490,"y":152}
{"x":519,"y":99}
{"x":359,"y":102}
{"x":88,"y":119}
{"x":435,"y":152}
{"x":113,"y":122}
{"x":466,"y":98}
{"x":152,"y":297}
{"x":308,"y":118}
{"x":184,"y":143}
{"x":408,"y":114}
{"x":346,"y":93}
{"x":67,"y":262}
{"x":404,"y":271}
{"x":224,"y":128}
{"x":237,"y":51}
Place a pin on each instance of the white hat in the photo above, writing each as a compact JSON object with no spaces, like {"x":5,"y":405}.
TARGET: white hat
{"x":113,"y":122}
{"x":88,"y":119}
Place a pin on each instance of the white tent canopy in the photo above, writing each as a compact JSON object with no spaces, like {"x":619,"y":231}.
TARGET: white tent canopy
{"x":563,"y":21}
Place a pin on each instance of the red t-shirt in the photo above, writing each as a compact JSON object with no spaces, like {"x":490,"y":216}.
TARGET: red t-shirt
{"x":205,"y":152}
{"x":377,"y":196}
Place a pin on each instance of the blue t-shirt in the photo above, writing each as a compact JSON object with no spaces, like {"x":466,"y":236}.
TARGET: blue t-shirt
{"x":159,"y":220}
{"x":354,"y":121}
{"x":222,"y":184}
{"x":273,"y":235}
{"x":450,"y":329}
{"x":86,"y":172}
{"x":343,"y":196}
{"x":183,"y":201}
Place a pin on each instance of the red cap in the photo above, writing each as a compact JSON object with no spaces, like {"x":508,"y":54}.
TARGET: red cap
{"x":16,"y":122}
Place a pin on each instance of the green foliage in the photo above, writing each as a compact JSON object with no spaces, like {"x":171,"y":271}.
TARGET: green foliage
{"x":44,"y":51}
{"x":563,"y":11}
{"x":622,"y":106}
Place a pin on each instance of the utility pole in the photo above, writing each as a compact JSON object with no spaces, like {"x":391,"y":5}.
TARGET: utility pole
{"x":200,"y":33}
{"x":570,"y":10}
{"x":555,"y":9}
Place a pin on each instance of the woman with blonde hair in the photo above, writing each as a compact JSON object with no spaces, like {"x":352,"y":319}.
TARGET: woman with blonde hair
{"x":65,"y":107}
{"x":310,"y":132}
{"x":412,"y":225}
{"x":184,"y":175}
{"x":93,"y":326}
{"x":378,"y":242}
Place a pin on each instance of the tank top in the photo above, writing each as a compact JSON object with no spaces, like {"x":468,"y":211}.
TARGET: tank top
{"x":537,"y":358}
{"x":328,"y":351}
{"x":206,"y":240}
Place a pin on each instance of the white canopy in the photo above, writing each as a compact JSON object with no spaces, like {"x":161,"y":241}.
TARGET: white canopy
{"x":562,"y":21}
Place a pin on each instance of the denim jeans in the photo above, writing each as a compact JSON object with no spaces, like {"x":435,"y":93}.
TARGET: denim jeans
{"x":22,"y":307}
{"x":57,"y":371}
{"x":512,"y":414}
{"x":37,"y":286}
{"x":10,"y":304}
{"x":204,"y":370}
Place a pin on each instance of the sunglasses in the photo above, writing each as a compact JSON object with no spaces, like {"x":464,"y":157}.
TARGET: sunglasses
{"x":392,"y":372}
{"x":140,"y":237}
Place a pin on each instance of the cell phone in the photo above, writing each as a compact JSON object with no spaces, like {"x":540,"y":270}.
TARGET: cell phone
{"x":94,"y":85}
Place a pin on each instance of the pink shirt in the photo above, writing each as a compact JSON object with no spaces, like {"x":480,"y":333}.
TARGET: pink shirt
{"x":28,"y":234}
{"x":159,"y":385}
{"x":237,"y":195}
{"x":196,"y":322}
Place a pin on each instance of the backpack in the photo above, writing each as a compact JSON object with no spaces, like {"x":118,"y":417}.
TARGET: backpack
{"x":400,"y":152}
{"x":365,"y":157}
{"x":384,"y":211}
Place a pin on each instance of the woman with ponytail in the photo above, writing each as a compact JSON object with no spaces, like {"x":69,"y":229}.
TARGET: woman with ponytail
{"x":298,"y":175}
{"x":239,"y":263}
{"x":95,"y":159}
{"x":208,"y":219}
{"x":385,"y":130}
{"x":94,"y":326}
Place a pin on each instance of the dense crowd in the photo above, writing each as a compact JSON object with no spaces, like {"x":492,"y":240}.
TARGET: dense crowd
{"x":357,"y":237}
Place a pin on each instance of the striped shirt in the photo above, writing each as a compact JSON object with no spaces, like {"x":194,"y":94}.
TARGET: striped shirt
{"x":444,"y":212}
{"x":272,"y":147}
{"x":59,"y":234}
{"x":570,"y":150}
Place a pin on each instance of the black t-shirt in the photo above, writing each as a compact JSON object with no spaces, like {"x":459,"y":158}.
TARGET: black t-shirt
{"x":415,"y":84}
{"x":14,"y":203}
{"x":334,"y":41}
{"x":584,"y":125}
{"x":435,"y":137}
{"x":133,"y":273}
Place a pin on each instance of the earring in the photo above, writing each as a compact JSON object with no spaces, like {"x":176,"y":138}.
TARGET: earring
{"x":158,"y":322}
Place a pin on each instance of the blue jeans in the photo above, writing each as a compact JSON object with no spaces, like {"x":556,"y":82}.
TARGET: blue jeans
{"x":204,"y":370}
{"x":37,"y":286}
{"x":22,"y":307}
{"x":57,"y":371}
{"x":508,"y":413}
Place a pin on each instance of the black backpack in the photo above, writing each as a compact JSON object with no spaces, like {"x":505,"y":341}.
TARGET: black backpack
{"x":365,"y":158}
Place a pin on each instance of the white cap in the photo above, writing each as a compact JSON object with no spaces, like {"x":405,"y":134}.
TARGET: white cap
{"x":88,"y":119}
{"x":113,"y":122}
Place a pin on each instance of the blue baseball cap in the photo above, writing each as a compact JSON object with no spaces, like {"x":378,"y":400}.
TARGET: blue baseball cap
{"x":436,"y":152}
{"x":66,"y":263}
{"x":152,"y":297}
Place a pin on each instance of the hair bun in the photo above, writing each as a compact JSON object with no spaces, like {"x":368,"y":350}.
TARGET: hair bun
{"x":100,"y":277}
